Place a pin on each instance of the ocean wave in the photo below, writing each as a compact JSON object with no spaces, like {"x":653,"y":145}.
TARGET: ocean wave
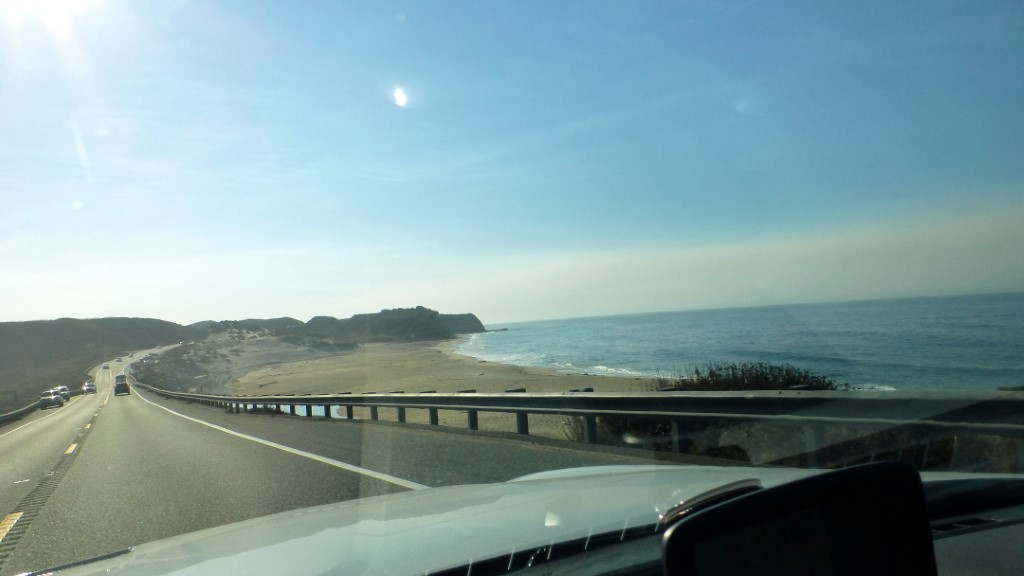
{"x":882,"y":346}
{"x":873,"y":388}
{"x":598,"y":370}
{"x":516,"y":359}
{"x":607,"y":370}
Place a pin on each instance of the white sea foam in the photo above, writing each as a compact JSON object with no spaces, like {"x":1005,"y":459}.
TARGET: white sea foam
{"x":874,"y":388}
{"x":615,"y":371}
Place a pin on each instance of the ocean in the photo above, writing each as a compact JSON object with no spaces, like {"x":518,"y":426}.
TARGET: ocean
{"x":944,"y":343}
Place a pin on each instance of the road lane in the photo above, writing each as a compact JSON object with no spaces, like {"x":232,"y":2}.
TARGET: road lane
{"x":142,"y":473}
{"x":296,"y":452}
{"x":33,"y":449}
{"x":30,"y":447}
{"x":433,"y":456}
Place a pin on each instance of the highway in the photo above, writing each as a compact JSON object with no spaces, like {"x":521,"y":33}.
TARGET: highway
{"x":107,"y":472}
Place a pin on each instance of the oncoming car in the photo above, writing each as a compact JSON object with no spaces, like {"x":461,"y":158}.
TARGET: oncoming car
{"x":88,"y":388}
{"x":50,"y":398}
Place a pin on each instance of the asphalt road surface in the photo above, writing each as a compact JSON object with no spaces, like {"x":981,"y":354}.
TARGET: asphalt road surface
{"x":107,"y":472}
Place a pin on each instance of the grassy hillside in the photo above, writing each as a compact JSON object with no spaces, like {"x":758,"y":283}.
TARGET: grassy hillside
{"x":42,"y":354}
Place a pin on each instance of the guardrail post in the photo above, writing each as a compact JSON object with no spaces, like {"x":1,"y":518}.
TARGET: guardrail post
{"x":327,"y":410}
{"x":400,"y":411}
{"x":675,"y":436}
{"x":589,"y":429}
{"x":522,"y":423}
{"x":348,"y":412}
{"x":309,"y":410}
{"x":373,"y":412}
{"x":472,"y":422}
{"x":432,"y":414}
{"x":814,"y":438}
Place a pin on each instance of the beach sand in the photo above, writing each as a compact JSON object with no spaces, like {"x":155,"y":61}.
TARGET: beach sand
{"x":419,"y":367}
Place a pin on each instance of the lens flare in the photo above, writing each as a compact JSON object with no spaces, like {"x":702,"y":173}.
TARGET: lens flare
{"x":55,"y":15}
{"x":401,"y":98}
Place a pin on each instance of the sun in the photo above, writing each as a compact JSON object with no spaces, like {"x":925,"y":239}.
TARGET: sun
{"x":54,"y":15}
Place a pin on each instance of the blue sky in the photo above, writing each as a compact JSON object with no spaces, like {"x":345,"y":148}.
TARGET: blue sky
{"x":191,"y":160}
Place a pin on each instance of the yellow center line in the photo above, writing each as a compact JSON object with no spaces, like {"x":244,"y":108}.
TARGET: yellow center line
{"x":70,"y":449}
{"x":7,"y":523}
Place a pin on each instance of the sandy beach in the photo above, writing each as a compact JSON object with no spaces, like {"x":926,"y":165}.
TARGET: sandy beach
{"x":419,"y":367}
{"x":412,"y":367}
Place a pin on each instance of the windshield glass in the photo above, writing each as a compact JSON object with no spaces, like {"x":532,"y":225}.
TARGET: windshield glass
{"x":397,"y":246}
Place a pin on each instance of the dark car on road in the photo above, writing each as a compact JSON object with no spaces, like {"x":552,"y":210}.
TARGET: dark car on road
{"x":50,"y":398}
{"x":121,"y":385}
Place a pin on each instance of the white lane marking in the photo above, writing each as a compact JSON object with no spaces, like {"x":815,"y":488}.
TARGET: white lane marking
{"x":336,"y":463}
{"x":57,"y":411}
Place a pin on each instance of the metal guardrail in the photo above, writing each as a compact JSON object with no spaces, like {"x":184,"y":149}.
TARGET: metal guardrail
{"x":22,"y":412}
{"x":19,"y":413}
{"x":1000,"y":414}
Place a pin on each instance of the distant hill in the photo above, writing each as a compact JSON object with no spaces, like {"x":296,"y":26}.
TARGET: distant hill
{"x":272,"y":325}
{"x":401,"y":324}
{"x":42,"y":354}
{"x":397,"y":325}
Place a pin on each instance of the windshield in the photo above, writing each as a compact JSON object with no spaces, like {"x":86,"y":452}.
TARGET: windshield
{"x":396,"y":246}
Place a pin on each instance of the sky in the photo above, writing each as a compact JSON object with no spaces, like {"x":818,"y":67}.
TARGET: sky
{"x":212,"y":160}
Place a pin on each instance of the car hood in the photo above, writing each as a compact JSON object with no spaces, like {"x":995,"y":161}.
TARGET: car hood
{"x":423,"y":531}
